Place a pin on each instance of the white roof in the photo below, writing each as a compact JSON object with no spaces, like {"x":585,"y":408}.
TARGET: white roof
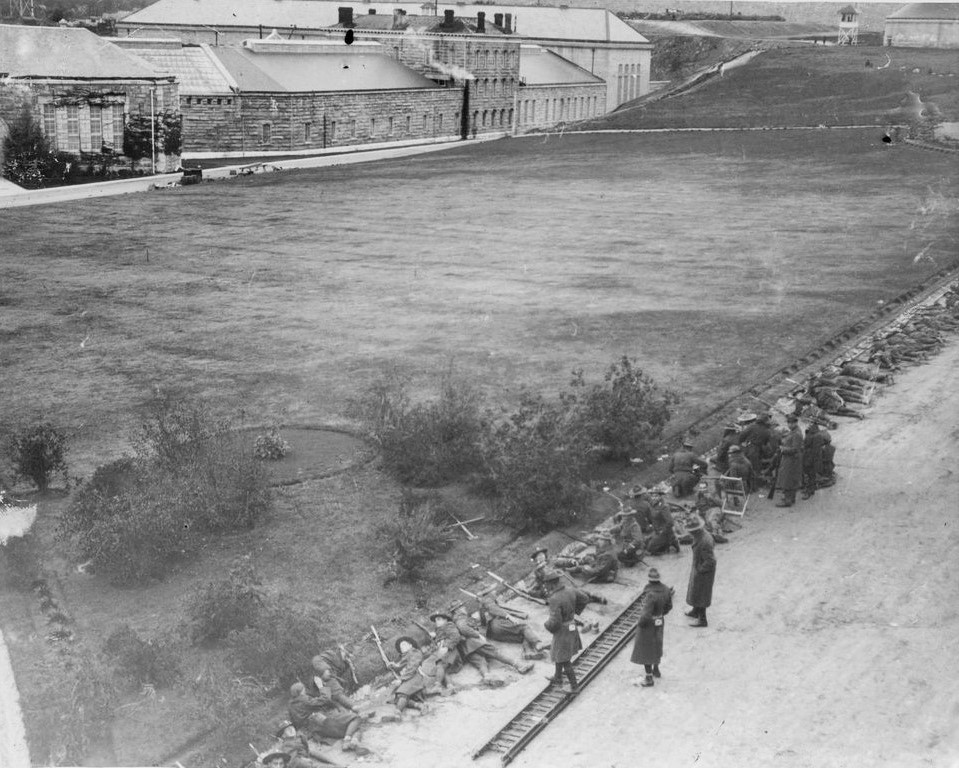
{"x":539,"y":22}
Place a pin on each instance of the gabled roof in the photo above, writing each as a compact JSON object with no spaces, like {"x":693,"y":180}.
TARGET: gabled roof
{"x":66,"y":53}
{"x":194,"y":66}
{"x":938,"y":11}
{"x":537,"y":66}
{"x":338,"y":68}
{"x":540,"y":22}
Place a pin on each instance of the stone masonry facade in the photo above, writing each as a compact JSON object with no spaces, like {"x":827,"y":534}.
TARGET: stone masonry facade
{"x":542,"y":106}
{"x":273,"y":122}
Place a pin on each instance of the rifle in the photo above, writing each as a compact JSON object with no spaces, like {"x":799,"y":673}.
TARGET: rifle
{"x":348,"y":659}
{"x":513,"y":611}
{"x":519,"y":592}
{"x":379,"y":646}
{"x":429,"y":632}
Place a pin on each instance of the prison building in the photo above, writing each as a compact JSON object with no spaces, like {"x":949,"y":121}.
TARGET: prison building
{"x":553,"y":91}
{"x":273,"y":96}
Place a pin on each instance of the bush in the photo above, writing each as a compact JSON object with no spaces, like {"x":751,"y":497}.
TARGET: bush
{"x":38,"y":452}
{"x":414,"y":536}
{"x":109,"y":481}
{"x":427,"y":443}
{"x":231,"y":704}
{"x":625,"y":416}
{"x":226,"y":606}
{"x":281,"y":644}
{"x":270,"y":446}
{"x":535,"y":462}
{"x":28,"y":158}
{"x":141,"y":662}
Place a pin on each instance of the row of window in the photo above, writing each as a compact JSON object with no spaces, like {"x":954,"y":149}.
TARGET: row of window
{"x":84,"y":127}
{"x":390,"y":126}
{"x":492,"y":118}
{"x":474,"y":59}
{"x":209,"y":100}
{"x":558,"y":110}
{"x":627,"y":82}
{"x":494,"y":87}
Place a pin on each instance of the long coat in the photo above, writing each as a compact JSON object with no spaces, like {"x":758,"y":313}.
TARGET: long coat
{"x":812,"y":452}
{"x":657,"y":602}
{"x":790,"y":465}
{"x":703,"y":571}
{"x":564,"y":604}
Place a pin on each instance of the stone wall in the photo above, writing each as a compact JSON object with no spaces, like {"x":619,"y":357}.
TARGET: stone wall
{"x":542,"y":106}
{"x":625,"y":69}
{"x":92,"y":129}
{"x":262,"y":122}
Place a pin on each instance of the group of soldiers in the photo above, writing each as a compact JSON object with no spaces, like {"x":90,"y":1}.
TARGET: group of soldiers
{"x":754,"y":452}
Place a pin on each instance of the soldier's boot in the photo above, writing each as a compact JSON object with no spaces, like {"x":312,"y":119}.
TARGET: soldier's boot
{"x":647,"y":682}
{"x":787,"y":500}
{"x":656,"y":672}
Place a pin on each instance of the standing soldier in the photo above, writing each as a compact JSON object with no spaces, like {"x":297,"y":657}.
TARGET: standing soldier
{"x":648,"y":647}
{"x":789,"y":475}
{"x":741,"y":467}
{"x":756,"y":442}
{"x":564,"y":604}
{"x":827,"y":475}
{"x":702,"y":574}
{"x":811,"y":460}
{"x":629,"y":531}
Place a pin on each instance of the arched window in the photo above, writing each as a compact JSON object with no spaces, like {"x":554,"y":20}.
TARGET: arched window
{"x":485,"y":116}
{"x":495,"y":59}
{"x":509,"y":118}
{"x":486,"y":58}
{"x":495,"y":82}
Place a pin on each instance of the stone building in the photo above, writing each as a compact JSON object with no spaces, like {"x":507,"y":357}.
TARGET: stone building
{"x":274,"y":96}
{"x":592,"y":38}
{"x":923,"y":25}
{"x":553,"y":90}
{"x":86,"y":93}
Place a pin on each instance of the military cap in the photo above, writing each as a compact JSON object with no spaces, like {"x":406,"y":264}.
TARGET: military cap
{"x":273,"y":755}
{"x":440,"y":615}
{"x":407,"y":638}
{"x":544,"y":550}
{"x":695,"y":523}
{"x":653,"y":574}
{"x":735,"y":449}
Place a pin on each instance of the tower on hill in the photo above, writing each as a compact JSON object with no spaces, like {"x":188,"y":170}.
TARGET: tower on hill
{"x":848,"y":26}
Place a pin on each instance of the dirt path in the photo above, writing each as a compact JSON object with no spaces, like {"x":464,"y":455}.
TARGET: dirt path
{"x":13,"y":742}
{"x":831,"y":640}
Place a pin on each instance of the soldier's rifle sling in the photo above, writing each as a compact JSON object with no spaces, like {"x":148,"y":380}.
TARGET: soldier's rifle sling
{"x":379,"y":646}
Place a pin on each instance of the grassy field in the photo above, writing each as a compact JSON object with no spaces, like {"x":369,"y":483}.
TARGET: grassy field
{"x":809,"y":85}
{"x":713,"y":259}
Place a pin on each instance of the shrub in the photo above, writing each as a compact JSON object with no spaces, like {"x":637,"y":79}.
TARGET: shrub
{"x":414,"y":536}
{"x":270,"y":446}
{"x":109,"y":481}
{"x":424,"y":443}
{"x":627,"y":414}
{"x":225,"y":606}
{"x":231,"y":704}
{"x":141,"y":662}
{"x":37,"y":452}
{"x":535,"y":462}
{"x":28,"y":158}
{"x":281,"y":643}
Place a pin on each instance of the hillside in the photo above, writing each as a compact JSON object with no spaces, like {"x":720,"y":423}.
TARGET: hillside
{"x":806,"y":86}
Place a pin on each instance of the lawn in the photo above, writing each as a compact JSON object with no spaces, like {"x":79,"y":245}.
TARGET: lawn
{"x":713,"y":259}
{"x":809,"y":85}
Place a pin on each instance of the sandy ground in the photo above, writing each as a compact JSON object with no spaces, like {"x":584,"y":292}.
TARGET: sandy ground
{"x":832,"y":635}
{"x":13,"y":740}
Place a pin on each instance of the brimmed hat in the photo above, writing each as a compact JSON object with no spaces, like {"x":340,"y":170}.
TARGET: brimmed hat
{"x":763,"y":418}
{"x":687,"y":442}
{"x":407,"y":638}
{"x":282,"y":726}
{"x":730,"y":428}
{"x":544,"y":550}
{"x":745,"y":418}
{"x":627,"y":512}
{"x":695,"y":523}
{"x":735,"y":449}
{"x":653,"y":574}
{"x":274,"y":755}
{"x":826,"y":437}
{"x":320,"y":664}
{"x":440,"y":614}
{"x":551,"y":575}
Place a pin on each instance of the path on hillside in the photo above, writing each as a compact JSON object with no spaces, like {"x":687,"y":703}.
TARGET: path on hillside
{"x":13,"y":742}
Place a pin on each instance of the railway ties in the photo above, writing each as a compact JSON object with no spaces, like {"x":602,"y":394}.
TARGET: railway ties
{"x":513,"y":737}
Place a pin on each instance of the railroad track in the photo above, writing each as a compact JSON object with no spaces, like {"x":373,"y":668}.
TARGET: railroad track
{"x":510,"y":740}
{"x":513,"y":737}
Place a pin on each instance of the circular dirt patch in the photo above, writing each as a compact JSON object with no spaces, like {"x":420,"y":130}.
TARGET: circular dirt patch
{"x":317,"y":452}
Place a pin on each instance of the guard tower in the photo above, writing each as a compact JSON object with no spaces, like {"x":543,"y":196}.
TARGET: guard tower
{"x":848,"y":26}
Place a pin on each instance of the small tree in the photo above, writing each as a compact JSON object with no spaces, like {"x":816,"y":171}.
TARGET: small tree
{"x":29,"y":159}
{"x":226,"y":606}
{"x":38,"y":452}
{"x":138,"y":139}
{"x":414,"y":537}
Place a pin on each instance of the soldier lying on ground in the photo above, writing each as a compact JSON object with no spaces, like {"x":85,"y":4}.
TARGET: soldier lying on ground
{"x":412,"y":684}
{"x":340,"y":661}
{"x":322,"y":717}
{"x":504,"y":627}
{"x":569,"y":554}
{"x":600,"y":566}
{"x":865,"y":372}
{"x":476,"y":649}
{"x":292,"y":750}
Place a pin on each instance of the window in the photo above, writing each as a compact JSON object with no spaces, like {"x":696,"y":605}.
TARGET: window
{"x":229,"y":102}
{"x":267,"y":135}
{"x":495,"y":58}
{"x":426,"y":123}
{"x":353,"y":129}
{"x":409,"y":123}
{"x":486,"y":58}
{"x":219,"y":101}
{"x":390,"y":127}
{"x":372,"y":126}
{"x":485,"y":114}
{"x":73,"y":128}
{"x":189,"y":100}
{"x":439,"y":123}
{"x":118,"y":126}
{"x":209,"y":101}
{"x":332,"y":130}
{"x":96,"y":129}
{"x":495,"y":82}
{"x":50,"y":123}
{"x":509,"y":120}
{"x":307,"y":132}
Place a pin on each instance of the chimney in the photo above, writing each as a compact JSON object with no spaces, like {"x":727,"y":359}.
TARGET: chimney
{"x":448,"y":20}
{"x":498,"y":19}
{"x":372,"y":11}
{"x":399,"y":18}
{"x":481,"y":22}
{"x":508,"y":19}
{"x":346,"y":16}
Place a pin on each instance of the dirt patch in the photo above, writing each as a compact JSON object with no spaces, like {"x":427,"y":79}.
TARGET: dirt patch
{"x":315,"y":452}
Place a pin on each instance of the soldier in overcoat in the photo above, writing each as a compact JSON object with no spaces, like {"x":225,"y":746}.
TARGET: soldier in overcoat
{"x":648,"y":646}
{"x":699,"y":595}
{"x":811,"y":460}
{"x":789,"y":477}
{"x":564,"y":603}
